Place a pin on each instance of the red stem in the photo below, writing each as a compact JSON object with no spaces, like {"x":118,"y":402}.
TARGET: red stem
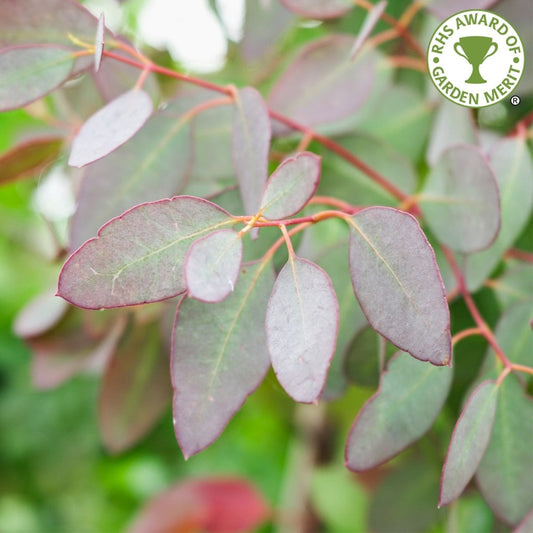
{"x":520,"y":254}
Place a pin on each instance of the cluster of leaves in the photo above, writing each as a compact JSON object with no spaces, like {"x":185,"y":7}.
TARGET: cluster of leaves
{"x":273,"y":283}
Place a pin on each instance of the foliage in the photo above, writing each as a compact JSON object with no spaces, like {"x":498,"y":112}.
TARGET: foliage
{"x":332,"y":219}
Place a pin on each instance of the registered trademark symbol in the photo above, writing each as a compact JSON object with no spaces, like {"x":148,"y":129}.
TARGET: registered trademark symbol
{"x":515,"y":100}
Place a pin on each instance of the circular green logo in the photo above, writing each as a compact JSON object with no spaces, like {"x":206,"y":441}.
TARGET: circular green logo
{"x":475,"y":58}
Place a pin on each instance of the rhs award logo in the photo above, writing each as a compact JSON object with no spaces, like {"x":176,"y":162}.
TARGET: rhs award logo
{"x":475,"y":58}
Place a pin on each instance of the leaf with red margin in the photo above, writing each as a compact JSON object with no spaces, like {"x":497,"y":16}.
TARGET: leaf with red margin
{"x":250,"y":146}
{"x":398,"y":284}
{"x":291,"y":186}
{"x":29,"y":158}
{"x":219,"y":357}
{"x":209,"y":504}
{"x":319,"y":9}
{"x":460,"y":200}
{"x":110,"y":127}
{"x":322,"y":85}
{"x":135,"y":388}
{"x":526,"y":526}
{"x":410,"y":396}
{"x":154,"y":164}
{"x":138,"y":257}
{"x":505,"y":474}
{"x":469,"y":441}
{"x":30,"y":72}
{"x":301,"y":328}
{"x":212,"y":265}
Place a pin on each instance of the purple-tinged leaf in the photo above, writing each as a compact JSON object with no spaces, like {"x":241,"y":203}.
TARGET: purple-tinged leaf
{"x":30,"y":72}
{"x":29,"y":158}
{"x":264,"y":24}
{"x":319,"y":9}
{"x":154,"y":164}
{"x":322,"y":72}
{"x":512,"y":164}
{"x":526,"y":526}
{"x":410,"y":396}
{"x":291,"y":186}
{"x":99,"y":43}
{"x":212,"y":505}
{"x":70,"y":349}
{"x":212,"y":266}
{"x":301,"y":328}
{"x":469,"y":441}
{"x":219,"y":357}
{"x":138,"y":257}
{"x":250,"y":146}
{"x":110,"y":127}
{"x":39,"y":315}
{"x":135,"y":388}
{"x":397,"y":282}
{"x":453,"y":125}
{"x":505,"y":475}
{"x":370,"y":22}
{"x":44,"y":21}
{"x":460,"y":200}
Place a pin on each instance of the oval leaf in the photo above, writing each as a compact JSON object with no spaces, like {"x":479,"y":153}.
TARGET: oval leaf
{"x":39,"y":315}
{"x":29,"y":158}
{"x":319,"y":9}
{"x":505,"y":474}
{"x":250,"y":146}
{"x":213,"y":372}
{"x":135,"y":389}
{"x":30,"y":72}
{"x":410,"y":397}
{"x":138,"y":257}
{"x":110,"y":127}
{"x":460,"y":200}
{"x":322,"y":72}
{"x":212,"y":265}
{"x":291,"y":186}
{"x":154,"y":164}
{"x":397,"y":282}
{"x":211,"y":505}
{"x":301,"y":327}
{"x":513,"y":167}
{"x":469,"y":441}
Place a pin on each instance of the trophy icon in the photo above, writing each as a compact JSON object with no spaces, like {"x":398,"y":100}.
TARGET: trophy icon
{"x":476,"y":49}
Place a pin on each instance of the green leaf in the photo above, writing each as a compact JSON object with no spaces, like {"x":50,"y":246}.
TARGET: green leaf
{"x":469,"y":513}
{"x":505,"y":475}
{"x":513,"y":167}
{"x":212,"y":265}
{"x":526,"y":526}
{"x":135,"y":388}
{"x":338,"y":500}
{"x":397,"y":282}
{"x":410,"y":396}
{"x":469,"y":441}
{"x":138,"y":257}
{"x":301,"y":328}
{"x":319,"y":9}
{"x":460,"y":200}
{"x":30,"y":72}
{"x":514,"y":285}
{"x":291,"y":186}
{"x":219,"y":357}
